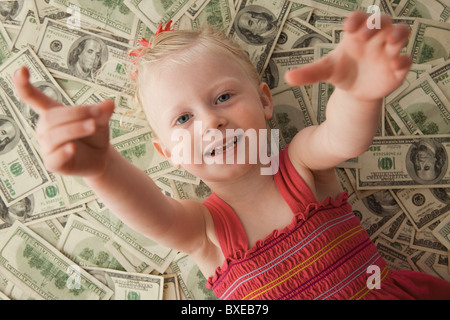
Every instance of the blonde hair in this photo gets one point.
(183, 46)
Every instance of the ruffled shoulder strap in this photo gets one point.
(291, 185)
(229, 229)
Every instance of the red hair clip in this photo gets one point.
(145, 43)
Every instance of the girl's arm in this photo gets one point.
(75, 141)
(133, 196)
(363, 68)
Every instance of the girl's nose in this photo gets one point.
(213, 120)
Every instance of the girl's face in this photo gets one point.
(190, 106)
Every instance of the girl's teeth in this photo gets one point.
(224, 147)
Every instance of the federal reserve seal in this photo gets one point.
(56, 45)
(418, 199)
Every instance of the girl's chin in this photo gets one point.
(220, 172)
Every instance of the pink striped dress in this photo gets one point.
(323, 254)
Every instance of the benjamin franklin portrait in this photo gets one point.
(426, 161)
(86, 56)
(20, 210)
(256, 25)
(9, 134)
(381, 203)
(10, 9)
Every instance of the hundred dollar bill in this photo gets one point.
(50, 230)
(297, 33)
(425, 240)
(5, 45)
(375, 211)
(423, 206)
(256, 28)
(416, 71)
(44, 9)
(152, 13)
(74, 190)
(197, 7)
(391, 230)
(321, 91)
(300, 11)
(325, 21)
(120, 125)
(182, 175)
(28, 34)
(441, 266)
(150, 252)
(187, 191)
(405, 162)
(192, 281)
(39, 77)
(351, 174)
(137, 148)
(130, 286)
(422, 106)
(292, 111)
(282, 61)
(21, 169)
(406, 232)
(385, 7)
(13, 12)
(345, 182)
(113, 16)
(337, 34)
(342, 7)
(85, 244)
(42, 271)
(77, 91)
(216, 13)
(129, 262)
(171, 288)
(429, 41)
(395, 259)
(4, 296)
(83, 56)
(436, 10)
(441, 76)
(414, 258)
(442, 231)
(43, 204)
(165, 185)
(426, 263)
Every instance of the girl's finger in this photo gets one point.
(311, 73)
(31, 95)
(59, 158)
(354, 21)
(401, 65)
(53, 138)
(397, 39)
(60, 116)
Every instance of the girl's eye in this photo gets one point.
(224, 97)
(184, 118)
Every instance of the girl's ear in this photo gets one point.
(163, 151)
(266, 100)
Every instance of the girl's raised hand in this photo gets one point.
(367, 63)
(73, 140)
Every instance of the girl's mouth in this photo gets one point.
(223, 148)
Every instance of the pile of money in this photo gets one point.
(59, 241)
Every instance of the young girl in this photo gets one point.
(291, 235)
